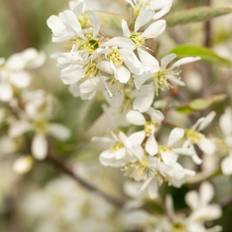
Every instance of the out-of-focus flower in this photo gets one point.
(226, 127)
(194, 136)
(14, 72)
(36, 118)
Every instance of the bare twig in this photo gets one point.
(85, 184)
(19, 24)
(208, 29)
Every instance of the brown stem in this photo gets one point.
(19, 24)
(208, 29)
(88, 186)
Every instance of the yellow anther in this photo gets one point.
(115, 56)
(137, 38)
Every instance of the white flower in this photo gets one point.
(65, 26)
(163, 75)
(195, 137)
(150, 9)
(139, 38)
(119, 62)
(14, 73)
(35, 117)
(202, 210)
(225, 123)
(150, 127)
(123, 149)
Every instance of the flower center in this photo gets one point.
(178, 227)
(194, 136)
(138, 170)
(90, 69)
(117, 146)
(40, 125)
(149, 128)
(115, 56)
(160, 81)
(137, 38)
(163, 149)
(89, 44)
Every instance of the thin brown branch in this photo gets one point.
(208, 29)
(85, 184)
(18, 23)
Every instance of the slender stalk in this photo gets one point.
(18, 24)
(208, 29)
(85, 184)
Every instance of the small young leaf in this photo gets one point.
(205, 53)
(200, 104)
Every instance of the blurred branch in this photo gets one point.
(19, 25)
(85, 184)
(208, 29)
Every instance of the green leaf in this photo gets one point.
(201, 104)
(205, 54)
(198, 14)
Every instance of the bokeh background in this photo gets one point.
(44, 200)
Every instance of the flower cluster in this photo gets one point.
(127, 72)
(27, 112)
(201, 212)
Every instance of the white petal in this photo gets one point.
(119, 42)
(153, 189)
(155, 29)
(192, 199)
(169, 158)
(151, 146)
(144, 98)
(125, 28)
(185, 60)
(207, 146)
(20, 79)
(165, 61)
(147, 59)
(105, 66)
(135, 118)
(137, 138)
(88, 88)
(144, 17)
(6, 92)
(156, 115)
(132, 62)
(205, 121)
(163, 10)
(122, 74)
(225, 122)
(71, 75)
(58, 28)
(175, 136)
(39, 147)
(206, 192)
(19, 128)
(175, 81)
(59, 131)
(226, 165)
(23, 164)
